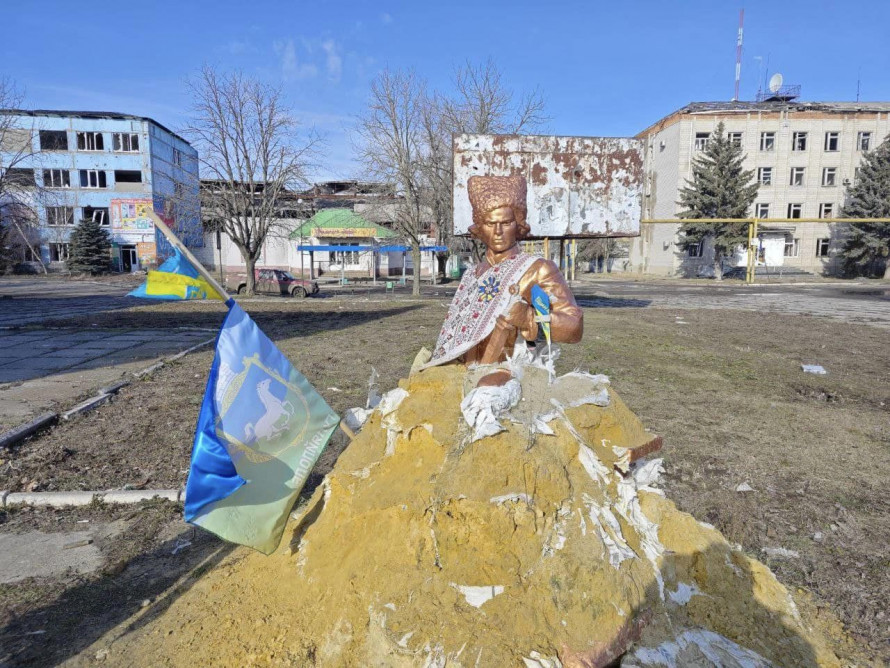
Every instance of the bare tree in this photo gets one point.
(19, 193)
(483, 104)
(252, 150)
(480, 104)
(391, 147)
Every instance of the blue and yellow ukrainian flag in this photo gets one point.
(541, 304)
(176, 278)
(261, 429)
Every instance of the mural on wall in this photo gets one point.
(146, 252)
(128, 215)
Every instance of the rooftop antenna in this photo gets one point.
(759, 60)
(858, 82)
(775, 82)
(738, 55)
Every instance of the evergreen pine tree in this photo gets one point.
(90, 249)
(720, 188)
(867, 247)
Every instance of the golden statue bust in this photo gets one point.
(492, 305)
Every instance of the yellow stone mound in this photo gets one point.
(422, 548)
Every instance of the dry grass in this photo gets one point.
(725, 390)
(727, 393)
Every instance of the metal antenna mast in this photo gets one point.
(738, 55)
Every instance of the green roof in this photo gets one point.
(338, 219)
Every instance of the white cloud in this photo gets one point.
(291, 68)
(334, 63)
(386, 18)
(236, 47)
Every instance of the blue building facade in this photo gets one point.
(113, 168)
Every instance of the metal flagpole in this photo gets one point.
(178, 245)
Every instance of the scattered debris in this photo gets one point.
(780, 553)
(180, 545)
(744, 487)
(78, 543)
(814, 368)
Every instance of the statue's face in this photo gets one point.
(499, 230)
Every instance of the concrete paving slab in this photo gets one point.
(37, 554)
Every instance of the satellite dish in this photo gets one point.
(775, 82)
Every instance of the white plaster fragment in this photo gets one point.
(355, 418)
(515, 496)
(684, 593)
(477, 596)
(536, 660)
(591, 463)
(483, 406)
(717, 649)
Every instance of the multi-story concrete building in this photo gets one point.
(803, 154)
(107, 166)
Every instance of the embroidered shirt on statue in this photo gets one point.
(478, 302)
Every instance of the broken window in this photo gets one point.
(53, 140)
(59, 216)
(701, 140)
(822, 246)
(97, 214)
(829, 176)
(735, 138)
(92, 178)
(20, 176)
(795, 210)
(826, 210)
(177, 157)
(127, 176)
(56, 178)
(863, 141)
(90, 141)
(792, 246)
(797, 176)
(765, 176)
(125, 142)
(58, 252)
(28, 255)
(761, 210)
(832, 141)
(767, 141)
(696, 250)
(799, 141)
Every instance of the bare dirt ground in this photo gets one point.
(725, 390)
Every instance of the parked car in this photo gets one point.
(274, 282)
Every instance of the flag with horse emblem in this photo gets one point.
(261, 429)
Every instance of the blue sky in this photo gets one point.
(606, 69)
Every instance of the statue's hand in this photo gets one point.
(522, 316)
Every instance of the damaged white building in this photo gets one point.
(803, 154)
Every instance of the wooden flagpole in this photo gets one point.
(181, 247)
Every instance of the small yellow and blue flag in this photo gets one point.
(175, 279)
(261, 428)
(541, 304)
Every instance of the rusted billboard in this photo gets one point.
(577, 186)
